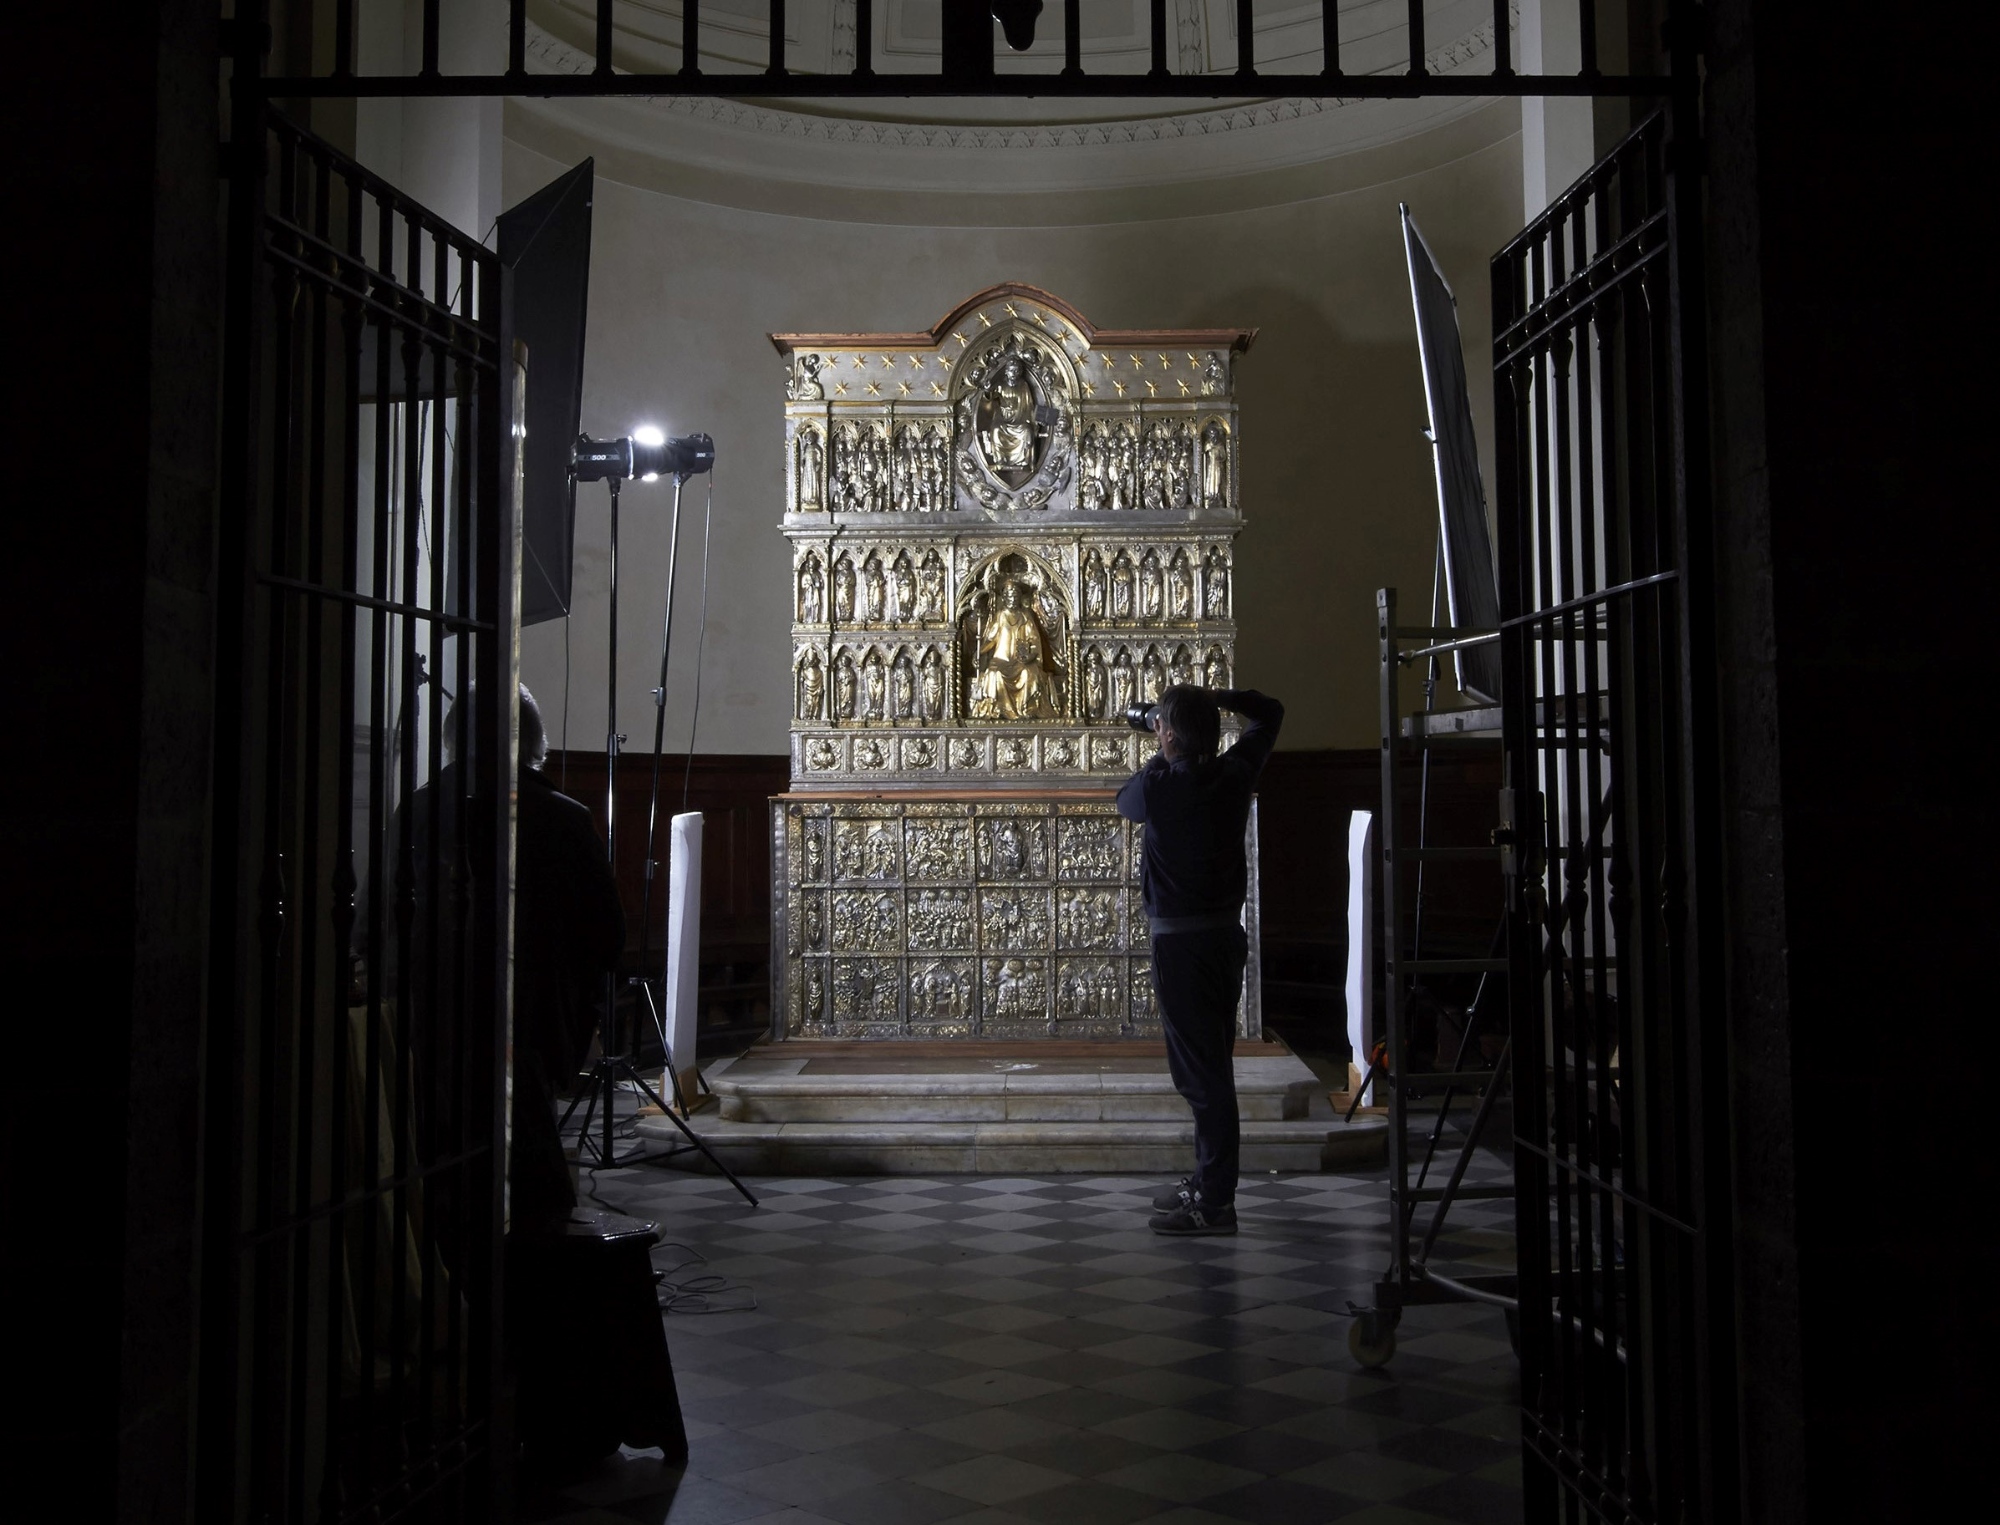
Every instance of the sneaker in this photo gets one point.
(1174, 1195)
(1195, 1216)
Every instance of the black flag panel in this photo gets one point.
(545, 243)
(1471, 582)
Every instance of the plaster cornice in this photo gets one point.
(843, 151)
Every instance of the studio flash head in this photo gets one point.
(1140, 717)
(645, 454)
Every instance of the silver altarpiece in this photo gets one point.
(1004, 531)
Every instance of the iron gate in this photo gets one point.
(354, 1127)
(1621, 1143)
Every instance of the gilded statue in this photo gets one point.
(1216, 673)
(903, 590)
(1153, 681)
(1149, 585)
(1013, 678)
(1095, 688)
(1007, 419)
(902, 686)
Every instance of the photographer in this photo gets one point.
(1195, 806)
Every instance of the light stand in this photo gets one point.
(613, 462)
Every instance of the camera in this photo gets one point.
(1140, 717)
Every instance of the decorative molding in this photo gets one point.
(549, 54)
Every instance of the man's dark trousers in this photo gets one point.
(1198, 977)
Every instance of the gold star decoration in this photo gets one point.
(1063, 331)
(1121, 387)
(1089, 390)
(1135, 361)
(874, 390)
(1152, 389)
(861, 362)
(936, 390)
(840, 389)
(960, 338)
(917, 362)
(1012, 310)
(1182, 385)
(1164, 362)
(904, 387)
(988, 322)
(1194, 363)
(1040, 317)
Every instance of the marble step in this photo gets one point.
(1012, 1148)
(1267, 1090)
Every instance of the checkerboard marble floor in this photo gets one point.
(994, 1351)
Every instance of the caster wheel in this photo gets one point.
(1371, 1341)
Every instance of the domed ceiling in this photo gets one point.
(1013, 145)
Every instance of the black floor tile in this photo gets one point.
(883, 1277)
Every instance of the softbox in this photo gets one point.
(545, 245)
(1470, 578)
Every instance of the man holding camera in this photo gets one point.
(1195, 805)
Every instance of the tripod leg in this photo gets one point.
(696, 1139)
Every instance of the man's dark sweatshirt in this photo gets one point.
(1195, 815)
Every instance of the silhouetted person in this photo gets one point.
(1196, 806)
(568, 932)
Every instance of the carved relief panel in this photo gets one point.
(1014, 918)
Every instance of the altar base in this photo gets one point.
(829, 1109)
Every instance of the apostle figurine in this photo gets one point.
(1216, 576)
(903, 584)
(931, 686)
(1214, 465)
(1149, 585)
(812, 469)
(1013, 679)
(812, 686)
(1216, 674)
(843, 589)
(843, 687)
(873, 587)
(1180, 586)
(812, 592)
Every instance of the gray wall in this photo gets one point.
(1336, 475)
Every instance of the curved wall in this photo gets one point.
(692, 268)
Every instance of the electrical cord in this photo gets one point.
(697, 1294)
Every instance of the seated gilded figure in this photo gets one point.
(1014, 676)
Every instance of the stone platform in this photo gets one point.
(908, 1109)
